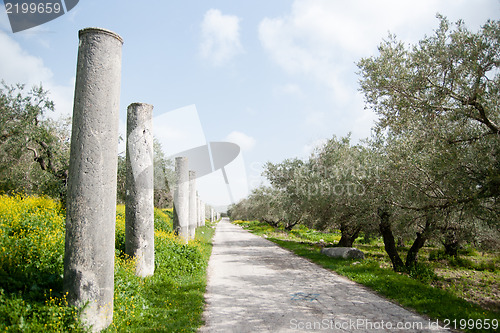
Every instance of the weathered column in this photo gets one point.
(139, 205)
(193, 204)
(181, 199)
(91, 200)
(203, 214)
(198, 209)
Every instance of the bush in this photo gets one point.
(422, 273)
(467, 251)
(437, 255)
(31, 267)
(487, 266)
(173, 257)
(461, 262)
(161, 222)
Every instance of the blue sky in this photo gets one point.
(277, 77)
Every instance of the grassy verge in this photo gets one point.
(172, 300)
(373, 272)
(31, 268)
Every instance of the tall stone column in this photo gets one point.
(200, 203)
(203, 214)
(193, 204)
(211, 214)
(181, 199)
(139, 201)
(91, 199)
(198, 209)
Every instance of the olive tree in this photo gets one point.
(288, 202)
(34, 150)
(339, 188)
(439, 119)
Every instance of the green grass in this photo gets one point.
(374, 273)
(31, 268)
(172, 300)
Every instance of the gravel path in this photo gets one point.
(256, 286)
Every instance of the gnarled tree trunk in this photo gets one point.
(451, 243)
(389, 242)
(411, 257)
(348, 234)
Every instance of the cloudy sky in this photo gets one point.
(276, 77)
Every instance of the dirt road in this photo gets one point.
(256, 286)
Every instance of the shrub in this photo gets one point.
(174, 257)
(437, 255)
(461, 262)
(161, 222)
(422, 273)
(467, 251)
(487, 266)
(31, 267)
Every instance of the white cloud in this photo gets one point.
(18, 66)
(220, 37)
(322, 39)
(4, 21)
(244, 141)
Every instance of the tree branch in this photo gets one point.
(482, 112)
(445, 205)
(38, 158)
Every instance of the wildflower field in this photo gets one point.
(31, 272)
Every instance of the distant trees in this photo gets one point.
(430, 171)
(34, 150)
(341, 179)
(163, 176)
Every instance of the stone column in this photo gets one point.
(193, 204)
(200, 210)
(203, 214)
(181, 199)
(91, 199)
(139, 202)
(211, 214)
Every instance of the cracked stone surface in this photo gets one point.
(256, 286)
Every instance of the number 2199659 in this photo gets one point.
(33, 8)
